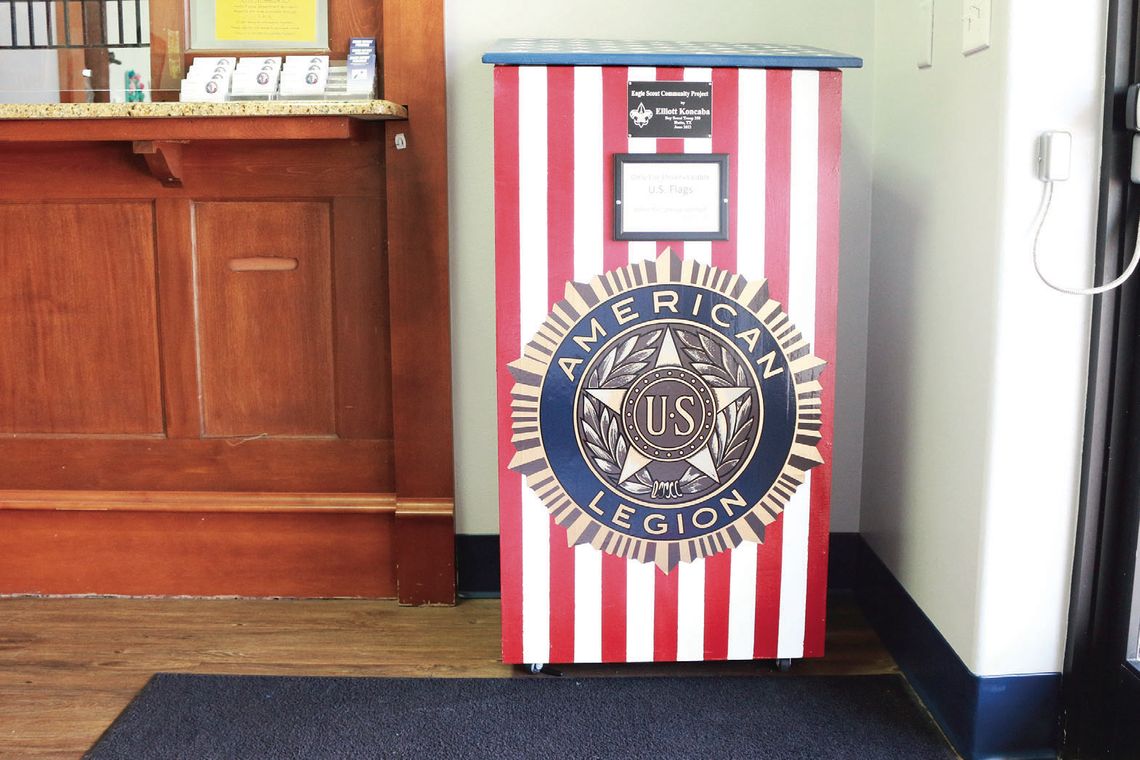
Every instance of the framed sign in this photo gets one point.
(259, 24)
(671, 196)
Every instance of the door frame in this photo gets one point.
(1109, 509)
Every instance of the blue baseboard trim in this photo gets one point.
(984, 717)
(477, 564)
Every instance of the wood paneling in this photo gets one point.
(185, 128)
(363, 346)
(252, 170)
(200, 553)
(418, 266)
(176, 288)
(265, 336)
(418, 251)
(222, 464)
(78, 344)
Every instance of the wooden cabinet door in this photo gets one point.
(181, 344)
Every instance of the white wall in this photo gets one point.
(975, 369)
(471, 29)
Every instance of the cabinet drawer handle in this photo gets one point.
(263, 264)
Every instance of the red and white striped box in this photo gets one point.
(557, 129)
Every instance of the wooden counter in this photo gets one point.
(225, 337)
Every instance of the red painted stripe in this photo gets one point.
(718, 568)
(560, 269)
(507, 349)
(665, 597)
(726, 121)
(718, 574)
(768, 575)
(615, 254)
(615, 139)
(827, 285)
(613, 608)
(776, 265)
(778, 182)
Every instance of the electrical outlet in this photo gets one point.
(975, 26)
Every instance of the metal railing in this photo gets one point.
(58, 24)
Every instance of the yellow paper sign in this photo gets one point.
(266, 20)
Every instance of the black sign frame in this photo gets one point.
(720, 160)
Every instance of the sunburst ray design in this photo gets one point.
(580, 299)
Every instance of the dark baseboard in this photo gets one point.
(477, 565)
(984, 717)
(477, 562)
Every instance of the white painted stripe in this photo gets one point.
(700, 250)
(803, 200)
(698, 144)
(639, 601)
(742, 602)
(639, 250)
(588, 219)
(588, 172)
(587, 604)
(751, 162)
(533, 308)
(691, 575)
(691, 609)
(639, 583)
(803, 203)
(751, 172)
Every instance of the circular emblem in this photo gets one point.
(666, 411)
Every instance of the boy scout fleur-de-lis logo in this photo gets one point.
(640, 115)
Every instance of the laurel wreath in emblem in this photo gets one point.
(660, 435)
(606, 439)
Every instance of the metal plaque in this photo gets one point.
(670, 109)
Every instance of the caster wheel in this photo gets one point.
(538, 668)
(784, 664)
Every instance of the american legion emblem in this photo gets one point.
(666, 411)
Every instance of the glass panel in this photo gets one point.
(124, 51)
(1133, 655)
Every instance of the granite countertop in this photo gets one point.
(360, 109)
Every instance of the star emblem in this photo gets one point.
(668, 381)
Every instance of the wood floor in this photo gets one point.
(69, 666)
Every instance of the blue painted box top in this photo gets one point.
(583, 52)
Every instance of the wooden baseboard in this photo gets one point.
(197, 544)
